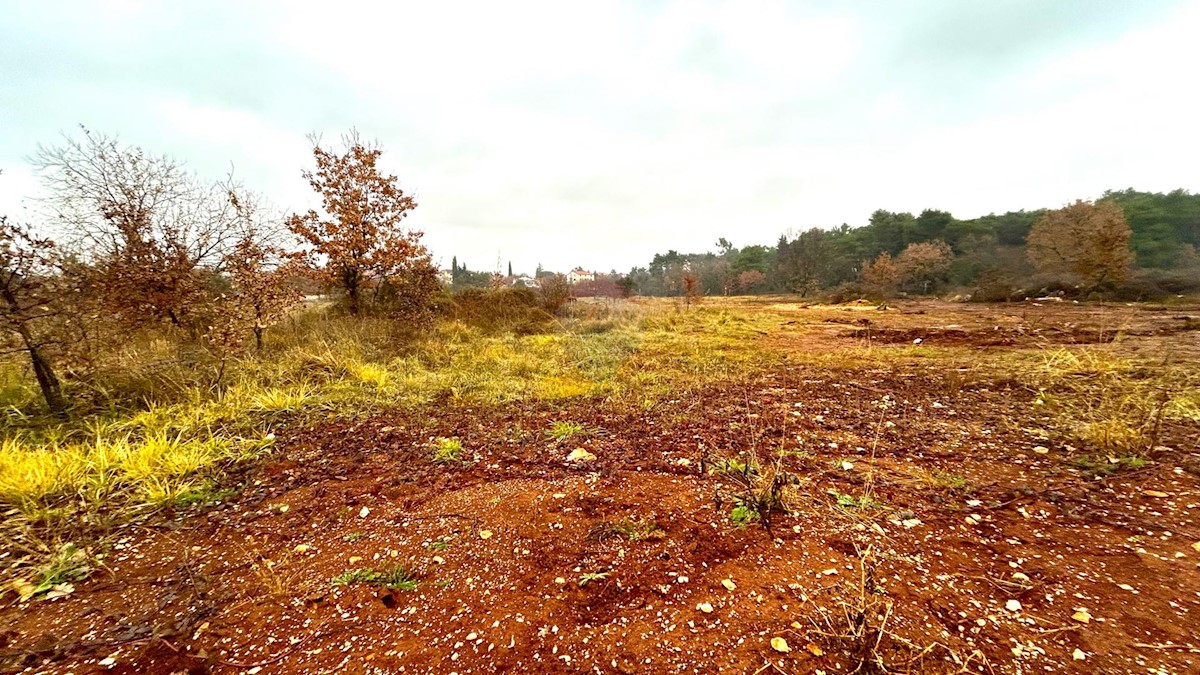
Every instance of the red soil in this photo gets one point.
(245, 587)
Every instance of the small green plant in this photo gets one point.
(358, 575)
(447, 450)
(759, 490)
(732, 465)
(353, 536)
(639, 530)
(439, 545)
(563, 429)
(743, 514)
(1106, 466)
(589, 577)
(395, 578)
(70, 563)
(942, 481)
(206, 493)
(846, 501)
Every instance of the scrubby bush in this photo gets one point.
(1158, 284)
(519, 310)
(994, 286)
(555, 292)
(851, 291)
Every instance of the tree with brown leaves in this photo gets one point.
(882, 274)
(921, 266)
(152, 234)
(751, 280)
(30, 314)
(262, 292)
(1087, 241)
(691, 288)
(358, 242)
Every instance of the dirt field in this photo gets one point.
(940, 518)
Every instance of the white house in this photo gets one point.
(523, 280)
(446, 277)
(579, 274)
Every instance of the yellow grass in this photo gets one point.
(147, 469)
(168, 429)
(160, 451)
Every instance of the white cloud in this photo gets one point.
(600, 133)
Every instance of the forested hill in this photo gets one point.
(936, 252)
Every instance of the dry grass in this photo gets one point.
(153, 429)
(1109, 403)
(163, 429)
(861, 626)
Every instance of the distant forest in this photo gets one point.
(1152, 253)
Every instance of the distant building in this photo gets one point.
(446, 277)
(523, 280)
(579, 274)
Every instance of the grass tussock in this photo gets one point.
(1110, 404)
(155, 469)
(561, 430)
(394, 578)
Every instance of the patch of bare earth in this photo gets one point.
(974, 552)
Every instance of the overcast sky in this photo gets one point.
(599, 133)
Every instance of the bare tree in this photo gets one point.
(691, 288)
(150, 230)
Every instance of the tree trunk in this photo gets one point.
(42, 370)
(350, 283)
(47, 380)
(258, 339)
